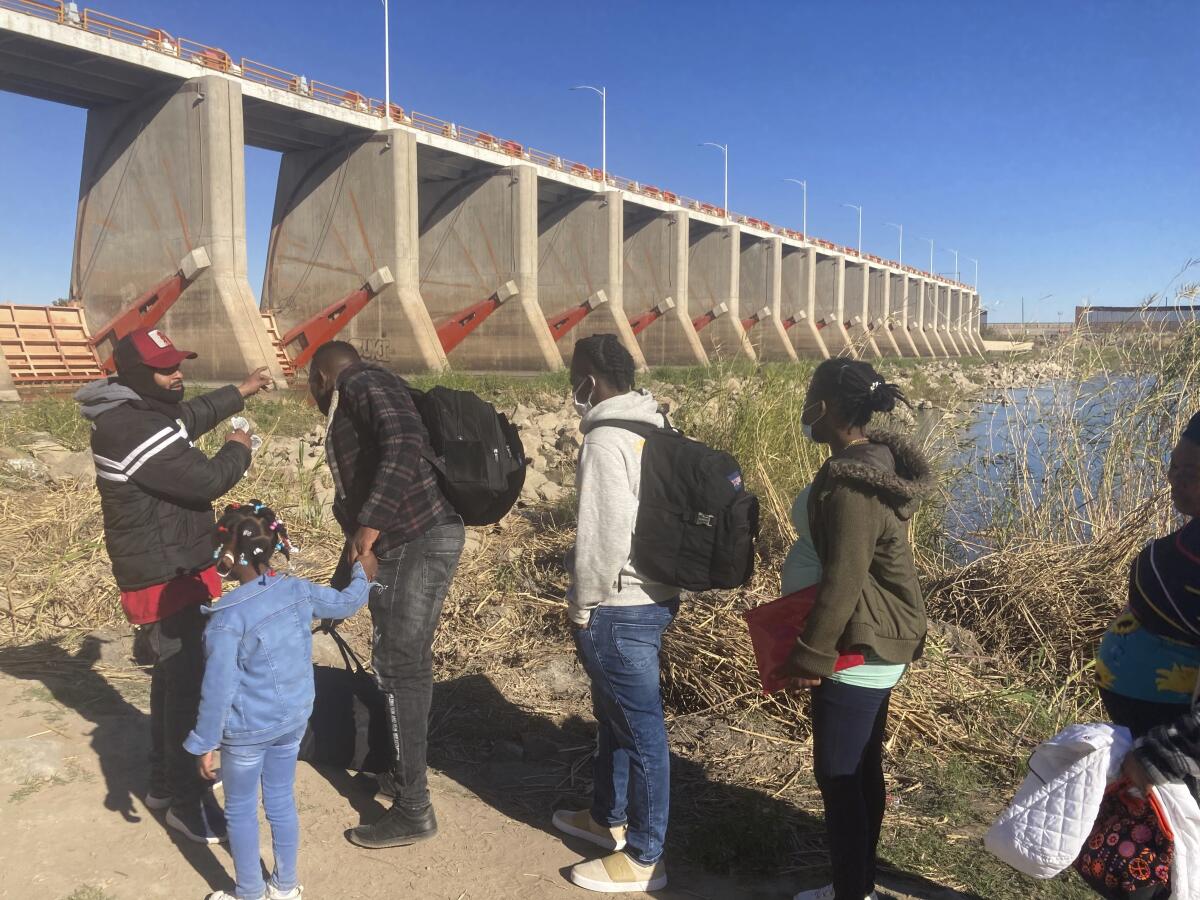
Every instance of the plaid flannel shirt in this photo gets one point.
(1171, 753)
(376, 446)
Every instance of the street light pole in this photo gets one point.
(724, 148)
(930, 255)
(899, 228)
(603, 92)
(803, 184)
(387, 68)
(859, 208)
(972, 259)
(955, 252)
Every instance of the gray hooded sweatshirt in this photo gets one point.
(607, 482)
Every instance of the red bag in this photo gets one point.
(774, 628)
(1131, 847)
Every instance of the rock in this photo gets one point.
(506, 751)
(538, 462)
(537, 748)
(957, 640)
(531, 443)
(22, 464)
(569, 441)
(548, 422)
(562, 676)
(30, 759)
(521, 416)
(551, 492)
(65, 466)
(533, 480)
(111, 649)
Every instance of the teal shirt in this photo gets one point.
(801, 569)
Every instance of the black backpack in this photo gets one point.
(348, 727)
(696, 522)
(477, 453)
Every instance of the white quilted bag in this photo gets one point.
(1042, 831)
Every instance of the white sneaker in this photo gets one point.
(580, 824)
(619, 874)
(221, 895)
(826, 893)
(274, 893)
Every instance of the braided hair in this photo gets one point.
(609, 359)
(856, 389)
(250, 534)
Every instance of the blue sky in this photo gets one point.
(1057, 142)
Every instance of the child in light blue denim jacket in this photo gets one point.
(258, 690)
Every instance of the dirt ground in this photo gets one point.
(73, 737)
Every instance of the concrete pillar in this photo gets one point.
(799, 291)
(901, 314)
(760, 284)
(478, 229)
(8, 389)
(958, 312)
(857, 296)
(879, 302)
(831, 305)
(714, 258)
(945, 326)
(930, 325)
(341, 213)
(655, 267)
(164, 175)
(580, 250)
(976, 331)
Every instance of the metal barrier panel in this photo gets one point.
(47, 345)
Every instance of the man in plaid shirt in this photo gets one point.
(388, 501)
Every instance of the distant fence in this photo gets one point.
(1142, 318)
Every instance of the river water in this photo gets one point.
(1047, 455)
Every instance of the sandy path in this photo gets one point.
(72, 825)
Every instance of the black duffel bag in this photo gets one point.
(348, 727)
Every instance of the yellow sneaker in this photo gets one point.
(580, 824)
(618, 874)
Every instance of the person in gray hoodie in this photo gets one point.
(618, 618)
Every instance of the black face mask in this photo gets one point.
(140, 379)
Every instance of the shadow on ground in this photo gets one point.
(120, 733)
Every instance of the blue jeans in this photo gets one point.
(848, 725)
(242, 769)
(631, 773)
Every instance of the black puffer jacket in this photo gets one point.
(156, 489)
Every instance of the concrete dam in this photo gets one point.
(475, 252)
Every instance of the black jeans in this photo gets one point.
(414, 579)
(848, 725)
(1139, 716)
(176, 647)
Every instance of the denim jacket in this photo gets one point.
(258, 676)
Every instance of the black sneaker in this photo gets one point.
(202, 822)
(398, 827)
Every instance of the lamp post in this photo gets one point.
(387, 68)
(955, 252)
(724, 148)
(603, 92)
(899, 228)
(930, 255)
(972, 259)
(804, 185)
(859, 208)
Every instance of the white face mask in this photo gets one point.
(808, 429)
(583, 407)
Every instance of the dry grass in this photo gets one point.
(1047, 574)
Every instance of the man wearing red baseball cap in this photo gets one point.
(156, 493)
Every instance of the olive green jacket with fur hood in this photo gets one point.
(859, 509)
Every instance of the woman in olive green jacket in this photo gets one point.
(869, 602)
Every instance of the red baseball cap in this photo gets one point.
(150, 347)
